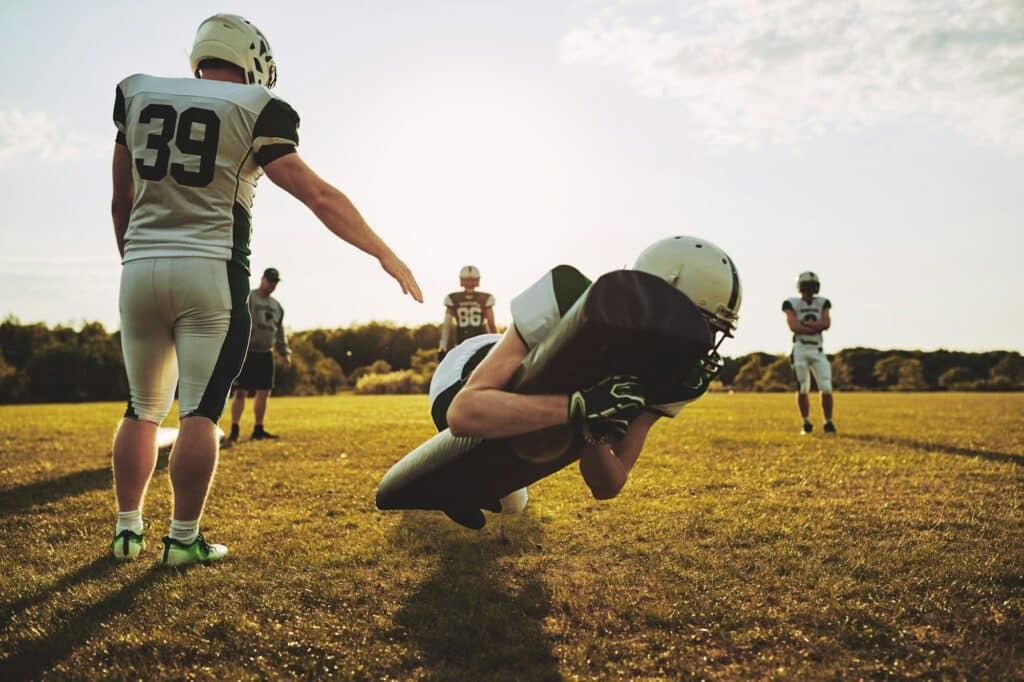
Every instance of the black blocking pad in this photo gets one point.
(627, 322)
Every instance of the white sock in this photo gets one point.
(184, 532)
(129, 520)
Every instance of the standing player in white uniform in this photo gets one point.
(467, 313)
(186, 160)
(467, 392)
(808, 315)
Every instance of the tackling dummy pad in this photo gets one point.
(627, 322)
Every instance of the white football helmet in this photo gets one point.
(810, 280)
(707, 276)
(469, 276)
(235, 40)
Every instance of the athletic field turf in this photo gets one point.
(738, 550)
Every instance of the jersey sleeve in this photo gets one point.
(276, 132)
(826, 304)
(787, 305)
(489, 303)
(449, 302)
(120, 115)
(539, 309)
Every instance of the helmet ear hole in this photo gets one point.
(235, 40)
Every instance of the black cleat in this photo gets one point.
(829, 427)
(231, 438)
(260, 434)
(806, 428)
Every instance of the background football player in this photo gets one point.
(808, 315)
(187, 156)
(467, 392)
(468, 312)
(257, 375)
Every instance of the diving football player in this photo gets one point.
(468, 396)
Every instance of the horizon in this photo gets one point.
(881, 148)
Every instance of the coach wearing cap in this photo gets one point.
(257, 375)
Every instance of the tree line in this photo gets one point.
(39, 363)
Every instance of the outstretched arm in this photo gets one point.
(606, 468)
(339, 215)
(123, 193)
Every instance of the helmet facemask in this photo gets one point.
(810, 287)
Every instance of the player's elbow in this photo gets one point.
(462, 417)
(605, 490)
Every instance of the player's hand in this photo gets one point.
(394, 266)
(286, 363)
(602, 412)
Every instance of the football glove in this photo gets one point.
(601, 414)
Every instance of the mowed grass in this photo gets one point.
(738, 550)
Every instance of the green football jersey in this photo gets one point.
(469, 307)
(197, 149)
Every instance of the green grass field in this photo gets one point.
(738, 550)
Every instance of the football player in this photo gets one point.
(468, 313)
(808, 315)
(467, 392)
(186, 160)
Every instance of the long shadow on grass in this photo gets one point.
(22, 497)
(476, 617)
(939, 447)
(94, 570)
(31, 658)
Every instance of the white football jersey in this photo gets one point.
(807, 311)
(197, 148)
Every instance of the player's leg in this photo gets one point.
(823, 375)
(148, 350)
(259, 408)
(237, 408)
(211, 336)
(803, 379)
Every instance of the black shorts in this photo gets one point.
(258, 372)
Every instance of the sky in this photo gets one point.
(877, 143)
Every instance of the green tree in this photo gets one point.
(777, 376)
(957, 378)
(901, 373)
(1010, 369)
(311, 373)
(749, 374)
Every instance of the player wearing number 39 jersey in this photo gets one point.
(187, 157)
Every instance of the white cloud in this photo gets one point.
(753, 71)
(36, 136)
